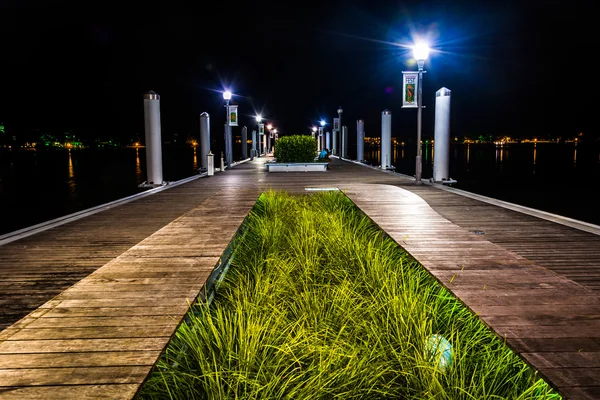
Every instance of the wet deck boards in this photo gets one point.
(533, 281)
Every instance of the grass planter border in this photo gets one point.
(297, 167)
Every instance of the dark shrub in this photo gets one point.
(295, 148)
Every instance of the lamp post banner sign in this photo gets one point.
(336, 124)
(410, 82)
(261, 129)
(233, 115)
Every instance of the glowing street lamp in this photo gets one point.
(420, 53)
(228, 138)
(256, 140)
(321, 137)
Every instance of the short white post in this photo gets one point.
(204, 140)
(222, 163)
(441, 146)
(386, 139)
(153, 139)
(210, 161)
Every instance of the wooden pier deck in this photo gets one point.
(90, 305)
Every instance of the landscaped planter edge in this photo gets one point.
(297, 167)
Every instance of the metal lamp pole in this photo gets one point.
(228, 139)
(420, 52)
(339, 132)
(256, 146)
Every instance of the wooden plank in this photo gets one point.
(72, 360)
(73, 376)
(112, 391)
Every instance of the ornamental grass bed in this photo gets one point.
(319, 303)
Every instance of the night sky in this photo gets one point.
(519, 68)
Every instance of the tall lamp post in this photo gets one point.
(268, 143)
(339, 131)
(228, 139)
(256, 146)
(420, 53)
(322, 136)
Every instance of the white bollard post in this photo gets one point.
(244, 143)
(441, 149)
(210, 163)
(386, 139)
(360, 140)
(222, 163)
(328, 141)
(153, 139)
(204, 140)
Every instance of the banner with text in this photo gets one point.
(336, 124)
(233, 115)
(261, 129)
(410, 83)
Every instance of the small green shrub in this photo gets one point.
(295, 148)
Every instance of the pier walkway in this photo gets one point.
(88, 306)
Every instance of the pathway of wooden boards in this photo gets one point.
(130, 328)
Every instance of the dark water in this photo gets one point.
(557, 178)
(36, 186)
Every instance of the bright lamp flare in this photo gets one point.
(322, 123)
(258, 118)
(314, 128)
(227, 95)
(420, 51)
(269, 127)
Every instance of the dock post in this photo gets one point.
(153, 140)
(360, 140)
(254, 142)
(328, 141)
(204, 140)
(386, 139)
(441, 135)
(244, 143)
(222, 163)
